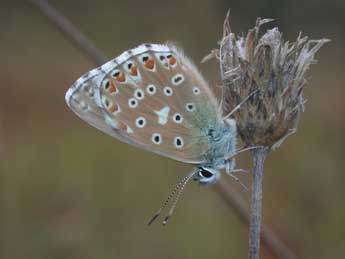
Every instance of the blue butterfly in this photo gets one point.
(154, 97)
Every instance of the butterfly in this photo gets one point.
(153, 97)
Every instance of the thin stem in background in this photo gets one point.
(272, 242)
(79, 40)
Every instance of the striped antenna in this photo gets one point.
(179, 186)
(171, 211)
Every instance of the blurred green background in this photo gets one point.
(69, 191)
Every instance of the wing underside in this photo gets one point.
(151, 97)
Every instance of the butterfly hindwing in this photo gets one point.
(152, 97)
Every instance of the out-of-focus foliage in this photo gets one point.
(69, 191)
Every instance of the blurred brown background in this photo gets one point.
(69, 191)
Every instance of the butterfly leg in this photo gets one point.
(230, 170)
(230, 167)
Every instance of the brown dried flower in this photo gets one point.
(262, 89)
(270, 71)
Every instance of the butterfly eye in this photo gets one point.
(177, 79)
(139, 94)
(177, 118)
(151, 89)
(156, 138)
(178, 142)
(205, 173)
(207, 176)
(190, 107)
(168, 91)
(196, 90)
(132, 103)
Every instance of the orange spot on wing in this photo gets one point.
(121, 78)
(172, 61)
(113, 108)
(122, 126)
(149, 63)
(134, 71)
(112, 88)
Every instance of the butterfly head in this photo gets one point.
(206, 175)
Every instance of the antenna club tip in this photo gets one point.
(153, 219)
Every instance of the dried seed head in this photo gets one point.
(275, 70)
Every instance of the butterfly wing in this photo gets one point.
(152, 97)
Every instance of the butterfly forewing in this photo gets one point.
(152, 97)
(84, 99)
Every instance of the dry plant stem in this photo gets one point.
(72, 32)
(259, 156)
(270, 240)
(234, 201)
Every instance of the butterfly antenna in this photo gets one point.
(177, 197)
(240, 104)
(171, 195)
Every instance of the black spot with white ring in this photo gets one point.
(140, 122)
(156, 138)
(132, 103)
(144, 58)
(106, 84)
(139, 94)
(168, 91)
(177, 79)
(177, 118)
(106, 101)
(116, 73)
(178, 142)
(196, 90)
(151, 89)
(190, 107)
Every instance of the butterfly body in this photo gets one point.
(153, 97)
